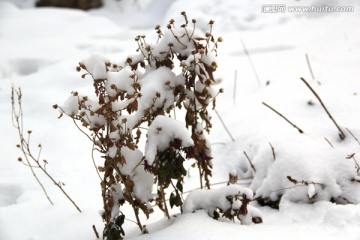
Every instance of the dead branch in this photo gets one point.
(222, 122)
(310, 68)
(329, 142)
(96, 232)
(341, 133)
(273, 151)
(251, 164)
(292, 124)
(24, 146)
(251, 62)
(356, 139)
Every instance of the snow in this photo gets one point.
(71, 106)
(143, 181)
(96, 65)
(213, 199)
(121, 80)
(116, 195)
(40, 49)
(162, 131)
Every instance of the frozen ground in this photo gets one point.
(39, 52)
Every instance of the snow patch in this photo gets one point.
(161, 132)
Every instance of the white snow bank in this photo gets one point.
(310, 160)
(231, 197)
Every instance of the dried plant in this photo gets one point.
(138, 99)
(33, 161)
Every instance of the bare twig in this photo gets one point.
(25, 146)
(17, 118)
(303, 182)
(220, 183)
(352, 156)
(273, 151)
(251, 164)
(329, 142)
(96, 232)
(226, 129)
(310, 68)
(341, 133)
(271, 108)
(93, 160)
(299, 183)
(37, 179)
(251, 62)
(356, 139)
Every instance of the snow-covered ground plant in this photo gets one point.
(138, 97)
(230, 201)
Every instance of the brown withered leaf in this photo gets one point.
(131, 145)
(201, 145)
(294, 181)
(121, 159)
(228, 214)
(245, 202)
(176, 143)
(129, 184)
(132, 107)
(214, 103)
(127, 197)
(101, 169)
(138, 135)
(113, 128)
(200, 98)
(210, 70)
(82, 66)
(118, 177)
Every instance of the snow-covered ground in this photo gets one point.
(40, 48)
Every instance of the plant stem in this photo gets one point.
(356, 139)
(95, 231)
(251, 164)
(93, 160)
(341, 133)
(164, 201)
(251, 62)
(200, 176)
(25, 148)
(329, 142)
(310, 68)
(222, 122)
(273, 151)
(292, 124)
